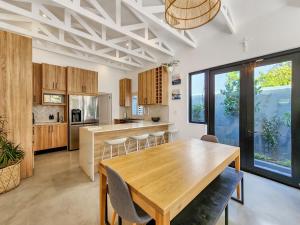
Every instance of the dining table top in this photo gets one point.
(167, 177)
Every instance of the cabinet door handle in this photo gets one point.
(52, 84)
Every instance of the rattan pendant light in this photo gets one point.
(189, 14)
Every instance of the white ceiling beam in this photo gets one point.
(77, 56)
(15, 18)
(57, 41)
(228, 18)
(155, 9)
(66, 26)
(114, 26)
(139, 8)
(100, 9)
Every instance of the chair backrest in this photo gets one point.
(120, 197)
(210, 138)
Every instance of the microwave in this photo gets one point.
(53, 99)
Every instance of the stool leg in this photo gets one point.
(118, 149)
(103, 151)
(137, 145)
(171, 137)
(163, 139)
(111, 147)
(148, 143)
(155, 141)
(125, 149)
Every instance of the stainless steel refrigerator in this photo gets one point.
(83, 111)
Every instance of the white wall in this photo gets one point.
(271, 33)
(108, 77)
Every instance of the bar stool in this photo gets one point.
(172, 133)
(112, 142)
(159, 134)
(139, 138)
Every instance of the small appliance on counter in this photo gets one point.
(155, 119)
(83, 111)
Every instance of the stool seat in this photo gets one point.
(116, 141)
(140, 137)
(113, 142)
(157, 134)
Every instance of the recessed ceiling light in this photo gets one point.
(44, 15)
(127, 44)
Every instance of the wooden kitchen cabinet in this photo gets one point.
(82, 81)
(125, 96)
(47, 136)
(54, 78)
(153, 87)
(37, 83)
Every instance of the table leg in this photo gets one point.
(237, 163)
(102, 198)
(162, 219)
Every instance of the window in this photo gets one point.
(197, 97)
(137, 110)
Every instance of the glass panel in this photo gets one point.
(137, 110)
(272, 117)
(197, 98)
(54, 98)
(227, 107)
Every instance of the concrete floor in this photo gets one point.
(60, 194)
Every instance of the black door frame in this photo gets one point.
(246, 119)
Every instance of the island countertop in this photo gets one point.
(92, 147)
(124, 126)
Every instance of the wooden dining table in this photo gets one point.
(163, 180)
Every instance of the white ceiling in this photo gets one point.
(126, 34)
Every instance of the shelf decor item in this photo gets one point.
(184, 15)
(11, 156)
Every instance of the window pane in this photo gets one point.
(272, 117)
(137, 110)
(197, 98)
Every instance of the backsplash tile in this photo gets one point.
(41, 113)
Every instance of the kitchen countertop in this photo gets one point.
(124, 126)
(47, 123)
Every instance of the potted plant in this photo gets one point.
(11, 156)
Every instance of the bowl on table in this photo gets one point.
(155, 119)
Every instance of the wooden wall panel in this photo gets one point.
(16, 92)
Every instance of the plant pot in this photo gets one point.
(9, 177)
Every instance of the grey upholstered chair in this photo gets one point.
(121, 200)
(210, 138)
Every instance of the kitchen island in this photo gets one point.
(91, 141)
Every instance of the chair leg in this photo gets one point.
(113, 219)
(119, 220)
(226, 215)
(103, 152)
(241, 201)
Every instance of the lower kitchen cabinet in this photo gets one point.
(46, 136)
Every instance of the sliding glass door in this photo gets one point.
(272, 108)
(256, 105)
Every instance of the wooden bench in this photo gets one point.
(208, 206)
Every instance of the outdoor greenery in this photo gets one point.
(287, 121)
(10, 153)
(270, 133)
(260, 156)
(279, 75)
(196, 111)
(232, 94)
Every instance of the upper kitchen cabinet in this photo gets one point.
(54, 78)
(125, 92)
(153, 87)
(82, 81)
(37, 83)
